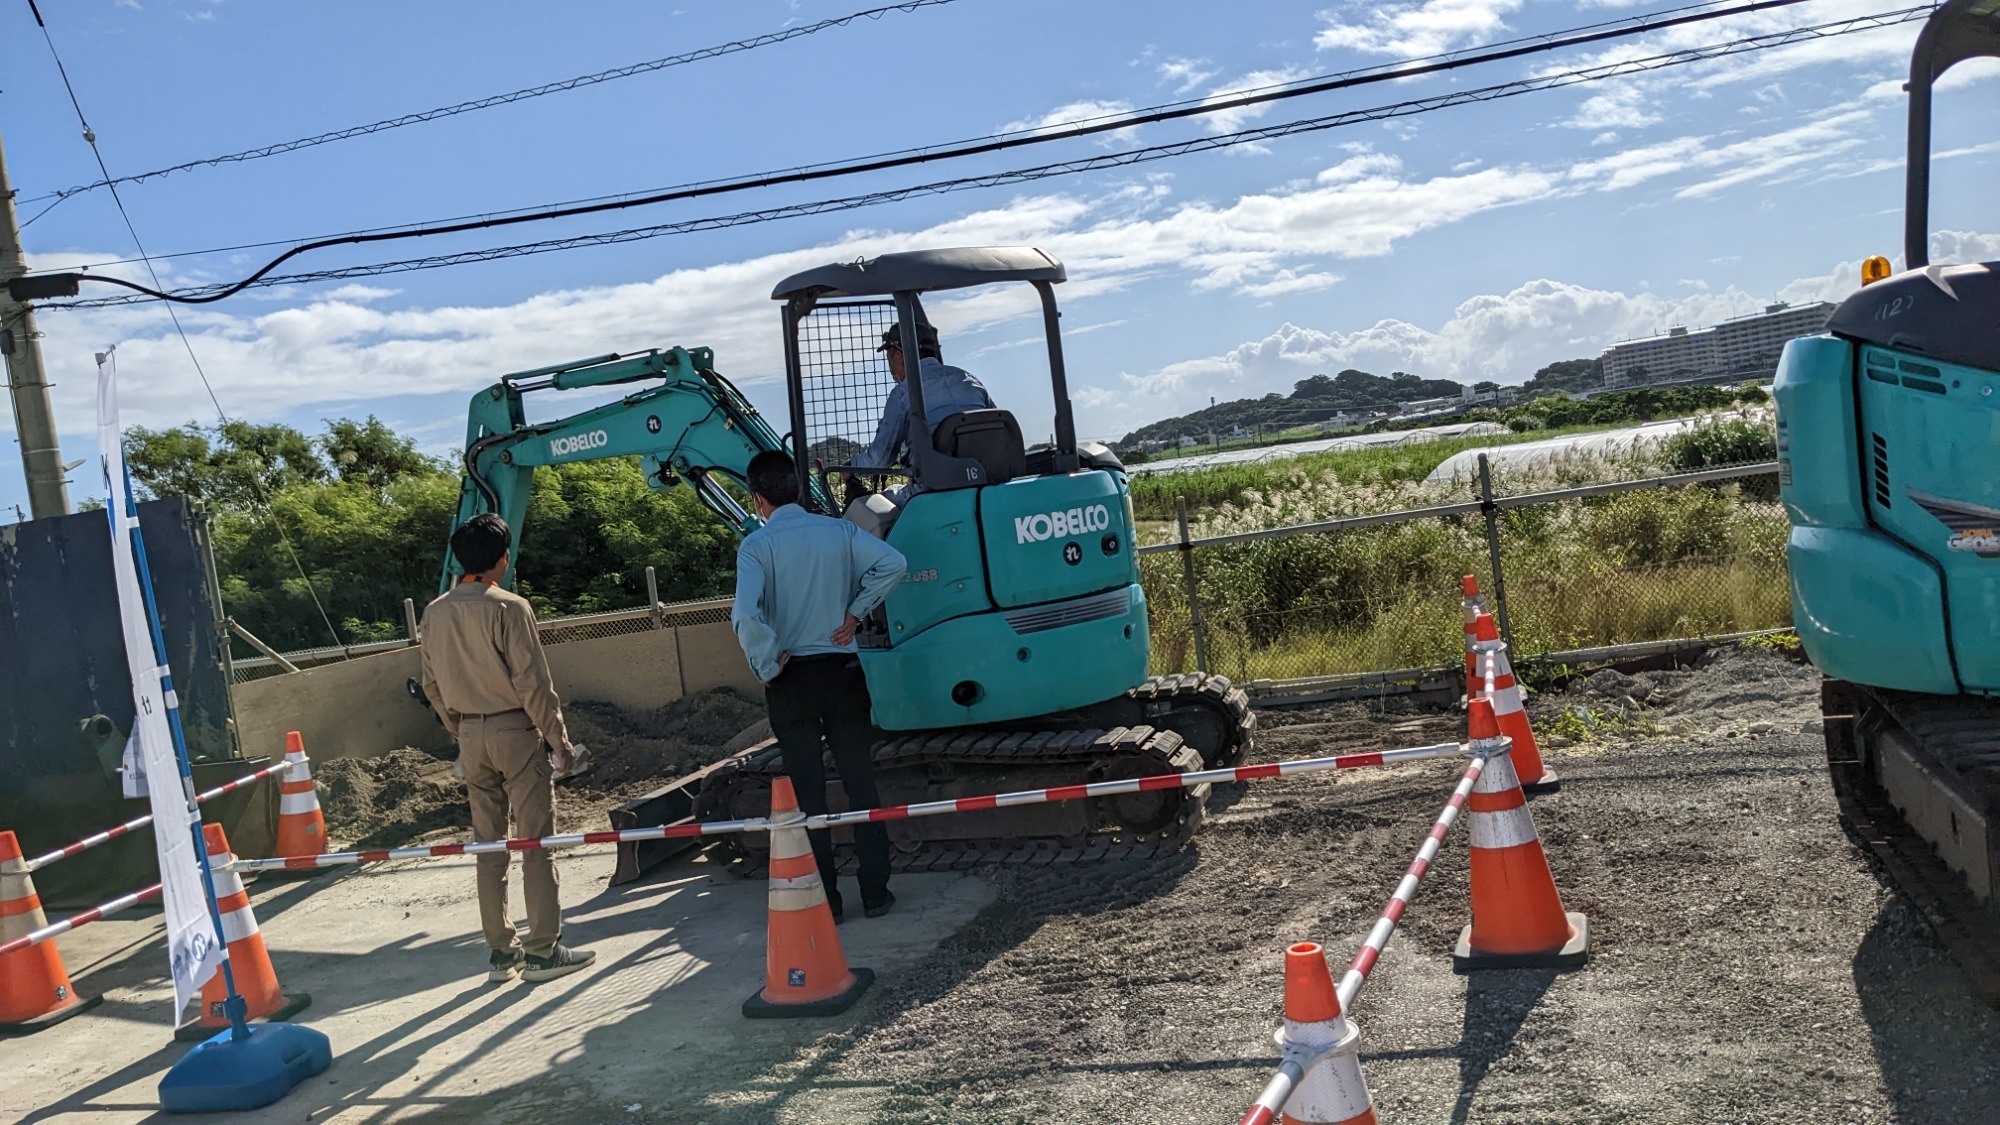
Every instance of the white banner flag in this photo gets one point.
(194, 948)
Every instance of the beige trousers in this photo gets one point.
(507, 773)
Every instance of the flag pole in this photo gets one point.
(233, 1006)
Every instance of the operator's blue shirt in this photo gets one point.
(948, 390)
(797, 577)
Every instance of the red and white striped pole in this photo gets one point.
(1392, 913)
(55, 929)
(1139, 785)
(1270, 1103)
(130, 826)
(862, 816)
(484, 847)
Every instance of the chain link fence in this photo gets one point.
(1582, 565)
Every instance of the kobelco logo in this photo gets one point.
(1043, 526)
(577, 443)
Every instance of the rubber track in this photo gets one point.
(1153, 701)
(1215, 693)
(1952, 731)
(1029, 749)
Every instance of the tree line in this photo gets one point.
(354, 519)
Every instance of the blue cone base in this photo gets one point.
(225, 1073)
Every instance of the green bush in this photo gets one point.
(1721, 441)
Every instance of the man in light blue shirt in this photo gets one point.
(803, 584)
(948, 390)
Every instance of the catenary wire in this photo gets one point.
(1119, 120)
(217, 293)
(546, 88)
(90, 138)
(1026, 175)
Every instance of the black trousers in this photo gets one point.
(823, 701)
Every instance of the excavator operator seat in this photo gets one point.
(991, 437)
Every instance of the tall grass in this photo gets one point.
(1630, 566)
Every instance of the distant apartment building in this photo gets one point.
(1746, 347)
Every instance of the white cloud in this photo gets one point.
(1289, 281)
(1185, 74)
(1414, 30)
(1231, 120)
(1772, 156)
(1623, 106)
(1077, 113)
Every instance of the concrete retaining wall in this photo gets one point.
(360, 708)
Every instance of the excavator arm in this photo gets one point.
(690, 426)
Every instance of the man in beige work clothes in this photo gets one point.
(485, 673)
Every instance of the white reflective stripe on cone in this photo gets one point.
(1507, 828)
(1332, 1089)
(301, 769)
(238, 924)
(14, 887)
(227, 882)
(1498, 776)
(1506, 700)
(797, 894)
(292, 804)
(790, 842)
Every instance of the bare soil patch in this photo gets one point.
(409, 795)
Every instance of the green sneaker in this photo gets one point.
(561, 962)
(502, 964)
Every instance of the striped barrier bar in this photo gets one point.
(1385, 926)
(1140, 785)
(53, 929)
(130, 826)
(859, 816)
(1270, 1103)
(522, 844)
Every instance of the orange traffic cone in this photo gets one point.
(805, 972)
(1518, 921)
(1475, 604)
(301, 828)
(249, 961)
(1506, 696)
(1332, 1092)
(34, 987)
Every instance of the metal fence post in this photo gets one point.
(1492, 511)
(653, 598)
(1195, 625)
(410, 620)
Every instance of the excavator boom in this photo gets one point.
(690, 426)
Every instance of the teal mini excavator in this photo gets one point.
(1014, 655)
(1889, 467)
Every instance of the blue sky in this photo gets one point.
(1472, 243)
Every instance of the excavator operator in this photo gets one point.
(948, 390)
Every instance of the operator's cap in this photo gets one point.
(927, 336)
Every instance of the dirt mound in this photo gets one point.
(653, 746)
(406, 795)
(389, 800)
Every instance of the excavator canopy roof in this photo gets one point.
(922, 270)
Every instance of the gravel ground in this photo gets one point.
(1748, 964)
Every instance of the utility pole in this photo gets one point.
(27, 381)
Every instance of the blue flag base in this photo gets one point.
(226, 1073)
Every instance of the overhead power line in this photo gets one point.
(1540, 45)
(419, 118)
(90, 138)
(1124, 119)
(1392, 110)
